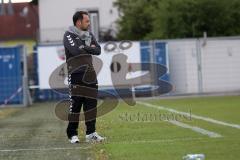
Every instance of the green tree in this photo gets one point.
(136, 21)
(153, 19)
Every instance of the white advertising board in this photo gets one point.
(51, 57)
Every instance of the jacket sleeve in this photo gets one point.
(93, 50)
(71, 45)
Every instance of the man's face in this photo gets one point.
(85, 23)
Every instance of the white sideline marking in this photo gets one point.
(157, 140)
(183, 125)
(42, 149)
(197, 129)
(237, 126)
(110, 142)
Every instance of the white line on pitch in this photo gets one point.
(196, 129)
(42, 149)
(159, 140)
(192, 115)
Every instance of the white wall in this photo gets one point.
(56, 15)
(219, 65)
(183, 66)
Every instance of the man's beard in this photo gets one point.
(84, 29)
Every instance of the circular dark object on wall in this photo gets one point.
(115, 67)
(124, 45)
(110, 46)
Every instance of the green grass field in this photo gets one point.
(133, 132)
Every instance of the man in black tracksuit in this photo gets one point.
(80, 45)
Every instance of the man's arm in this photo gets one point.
(95, 48)
(71, 45)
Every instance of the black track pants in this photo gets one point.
(82, 96)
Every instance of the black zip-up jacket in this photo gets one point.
(75, 46)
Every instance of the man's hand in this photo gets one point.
(93, 45)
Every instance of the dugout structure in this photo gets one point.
(13, 76)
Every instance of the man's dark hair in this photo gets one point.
(78, 16)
